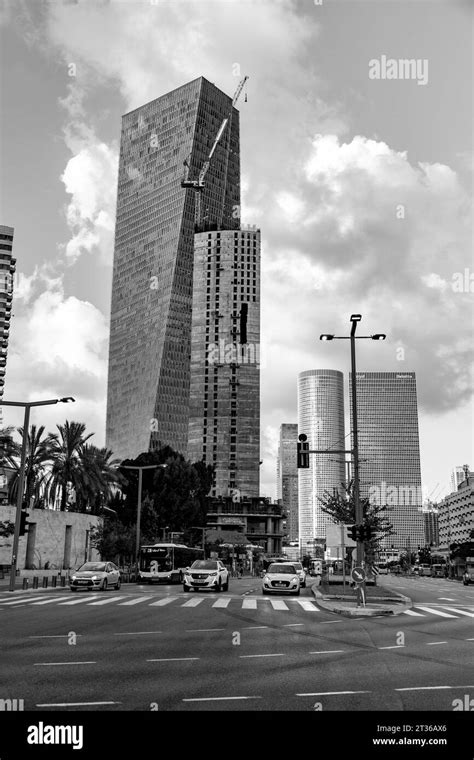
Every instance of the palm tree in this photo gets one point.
(38, 455)
(65, 456)
(96, 477)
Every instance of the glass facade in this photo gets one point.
(7, 272)
(321, 417)
(150, 326)
(287, 476)
(224, 419)
(389, 452)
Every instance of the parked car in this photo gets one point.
(95, 575)
(206, 574)
(281, 577)
(299, 570)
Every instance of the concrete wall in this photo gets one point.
(60, 538)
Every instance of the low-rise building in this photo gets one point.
(257, 518)
(456, 515)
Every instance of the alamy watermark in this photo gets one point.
(403, 68)
(225, 352)
(384, 495)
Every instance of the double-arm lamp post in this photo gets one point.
(140, 469)
(21, 479)
(359, 517)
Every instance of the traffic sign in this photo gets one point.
(358, 574)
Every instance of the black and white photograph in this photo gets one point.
(236, 378)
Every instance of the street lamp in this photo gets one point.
(355, 318)
(140, 469)
(21, 479)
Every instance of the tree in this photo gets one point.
(95, 478)
(114, 540)
(38, 456)
(65, 470)
(341, 508)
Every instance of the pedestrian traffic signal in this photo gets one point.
(302, 455)
(352, 532)
(23, 515)
(365, 533)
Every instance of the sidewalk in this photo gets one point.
(383, 602)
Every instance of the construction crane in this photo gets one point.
(198, 184)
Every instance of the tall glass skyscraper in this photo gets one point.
(287, 476)
(7, 271)
(321, 417)
(224, 419)
(389, 452)
(150, 325)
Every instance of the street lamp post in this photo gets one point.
(359, 516)
(21, 478)
(140, 469)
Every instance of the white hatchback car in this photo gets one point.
(281, 577)
(95, 575)
(206, 573)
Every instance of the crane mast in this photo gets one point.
(198, 184)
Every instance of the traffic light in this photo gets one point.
(365, 533)
(352, 532)
(302, 451)
(23, 515)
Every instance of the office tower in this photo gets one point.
(150, 326)
(287, 477)
(430, 521)
(7, 271)
(224, 418)
(458, 476)
(389, 452)
(321, 418)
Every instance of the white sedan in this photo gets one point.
(281, 578)
(206, 573)
(95, 575)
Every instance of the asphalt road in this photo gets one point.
(155, 648)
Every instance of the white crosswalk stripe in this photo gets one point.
(193, 602)
(162, 602)
(458, 611)
(133, 601)
(415, 614)
(278, 604)
(222, 602)
(249, 604)
(84, 600)
(50, 601)
(107, 601)
(307, 605)
(433, 611)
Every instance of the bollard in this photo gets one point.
(63, 580)
(54, 581)
(35, 581)
(45, 581)
(25, 584)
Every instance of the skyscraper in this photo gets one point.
(287, 476)
(7, 271)
(389, 452)
(150, 326)
(321, 417)
(224, 420)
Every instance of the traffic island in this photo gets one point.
(379, 601)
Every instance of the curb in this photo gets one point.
(396, 608)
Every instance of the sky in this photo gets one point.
(357, 171)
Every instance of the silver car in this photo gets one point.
(95, 576)
(281, 578)
(299, 570)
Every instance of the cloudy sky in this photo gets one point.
(362, 187)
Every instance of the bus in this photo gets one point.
(165, 562)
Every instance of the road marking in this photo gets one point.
(329, 651)
(203, 630)
(216, 699)
(425, 688)
(77, 704)
(106, 601)
(292, 625)
(328, 622)
(249, 656)
(162, 602)
(469, 639)
(16, 601)
(192, 602)
(307, 605)
(55, 636)
(434, 643)
(329, 693)
(85, 662)
(249, 604)
(396, 646)
(254, 627)
(446, 599)
(49, 601)
(133, 601)
(135, 633)
(79, 601)
(221, 602)
(174, 659)
(278, 604)
(460, 612)
(435, 612)
(415, 614)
